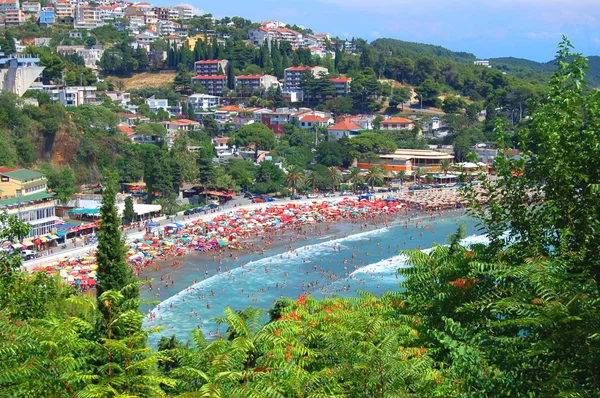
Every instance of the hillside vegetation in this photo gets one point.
(403, 48)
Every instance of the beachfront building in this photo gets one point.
(409, 160)
(24, 193)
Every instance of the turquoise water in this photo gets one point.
(338, 262)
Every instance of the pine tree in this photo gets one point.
(128, 212)
(230, 76)
(114, 273)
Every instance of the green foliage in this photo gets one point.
(405, 48)
(114, 273)
(256, 133)
(128, 212)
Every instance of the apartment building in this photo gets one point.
(30, 7)
(185, 12)
(249, 83)
(111, 12)
(87, 17)
(275, 121)
(259, 35)
(14, 17)
(341, 86)
(157, 103)
(202, 101)
(89, 55)
(292, 77)
(6, 5)
(24, 193)
(166, 13)
(166, 28)
(46, 17)
(212, 67)
(63, 11)
(214, 85)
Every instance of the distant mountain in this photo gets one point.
(407, 48)
(525, 68)
(519, 67)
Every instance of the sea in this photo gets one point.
(339, 261)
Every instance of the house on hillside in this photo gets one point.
(223, 149)
(344, 129)
(397, 123)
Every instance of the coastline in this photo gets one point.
(245, 229)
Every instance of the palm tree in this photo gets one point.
(402, 175)
(375, 175)
(418, 173)
(293, 177)
(120, 85)
(445, 166)
(311, 178)
(335, 177)
(355, 177)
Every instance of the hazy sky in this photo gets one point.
(487, 28)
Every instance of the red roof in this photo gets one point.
(172, 37)
(293, 68)
(314, 118)
(397, 120)
(230, 108)
(208, 61)
(4, 169)
(345, 126)
(222, 140)
(125, 129)
(340, 79)
(249, 77)
(210, 77)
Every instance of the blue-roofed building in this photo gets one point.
(46, 16)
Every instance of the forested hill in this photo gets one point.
(525, 68)
(404, 48)
(520, 67)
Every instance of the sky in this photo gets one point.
(528, 29)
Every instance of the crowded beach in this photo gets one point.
(235, 230)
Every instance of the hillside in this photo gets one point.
(400, 47)
(525, 68)
(145, 80)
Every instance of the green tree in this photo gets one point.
(428, 93)
(335, 177)
(258, 134)
(114, 273)
(354, 177)
(445, 166)
(128, 212)
(452, 104)
(293, 178)
(183, 79)
(375, 175)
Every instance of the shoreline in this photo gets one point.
(210, 264)
(247, 230)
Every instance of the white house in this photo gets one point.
(344, 129)
(203, 101)
(311, 121)
(223, 149)
(156, 104)
(397, 123)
